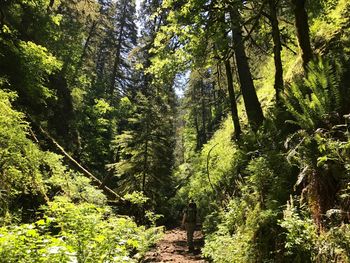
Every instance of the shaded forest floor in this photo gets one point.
(173, 248)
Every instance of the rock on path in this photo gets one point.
(173, 248)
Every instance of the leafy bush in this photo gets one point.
(305, 243)
(75, 225)
(80, 232)
(244, 238)
(25, 243)
(27, 170)
(21, 160)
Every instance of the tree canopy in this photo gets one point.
(114, 113)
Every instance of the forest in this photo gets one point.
(114, 113)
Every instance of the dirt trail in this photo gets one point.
(173, 248)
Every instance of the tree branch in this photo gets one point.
(109, 192)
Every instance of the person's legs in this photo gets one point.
(190, 232)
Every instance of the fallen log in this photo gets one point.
(108, 191)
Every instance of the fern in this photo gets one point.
(312, 100)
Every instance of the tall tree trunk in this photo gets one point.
(210, 114)
(115, 68)
(198, 146)
(144, 173)
(86, 45)
(302, 28)
(251, 102)
(145, 163)
(276, 49)
(204, 130)
(118, 52)
(216, 104)
(63, 120)
(233, 103)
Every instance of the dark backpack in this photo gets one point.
(191, 214)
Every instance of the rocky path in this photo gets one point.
(173, 248)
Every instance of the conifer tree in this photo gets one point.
(114, 40)
(146, 147)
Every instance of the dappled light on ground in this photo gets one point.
(173, 248)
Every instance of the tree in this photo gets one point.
(222, 51)
(302, 28)
(192, 39)
(232, 97)
(198, 103)
(105, 113)
(276, 48)
(251, 102)
(125, 40)
(146, 145)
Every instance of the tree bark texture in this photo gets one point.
(204, 130)
(251, 102)
(276, 49)
(302, 28)
(63, 119)
(233, 104)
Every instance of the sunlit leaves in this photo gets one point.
(38, 64)
(20, 158)
(313, 100)
(83, 232)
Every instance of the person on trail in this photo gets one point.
(189, 221)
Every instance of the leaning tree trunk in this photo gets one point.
(302, 28)
(224, 45)
(251, 102)
(276, 49)
(233, 104)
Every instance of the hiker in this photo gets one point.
(189, 221)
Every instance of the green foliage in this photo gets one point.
(145, 150)
(241, 206)
(315, 101)
(72, 66)
(21, 160)
(137, 198)
(301, 233)
(216, 158)
(251, 215)
(36, 65)
(82, 232)
(26, 243)
(331, 32)
(243, 238)
(26, 62)
(76, 225)
(304, 243)
(25, 169)
(72, 184)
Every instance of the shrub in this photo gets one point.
(76, 232)
(305, 243)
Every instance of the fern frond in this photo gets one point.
(309, 101)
